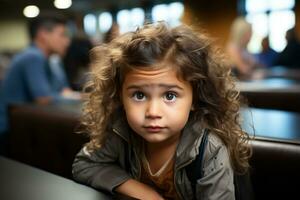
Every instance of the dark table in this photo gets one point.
(272, 125)
(278, 72)
(272, 93)
(273, 88)
(23, 182)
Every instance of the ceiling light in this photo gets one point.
(62, 4)
(31, 11)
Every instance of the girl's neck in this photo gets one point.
(158, 153)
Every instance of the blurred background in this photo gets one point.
(259, 37)
(94, 20)
(268, 17)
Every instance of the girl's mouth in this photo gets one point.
(153, 129)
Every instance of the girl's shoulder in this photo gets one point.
(215, 146)
(214, 140)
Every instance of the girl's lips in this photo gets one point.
(153, 129)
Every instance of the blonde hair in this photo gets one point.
(239, 28)
(216, 101)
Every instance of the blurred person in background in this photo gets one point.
(267, 56)
(243, 61)
(59, 80)
(30, 78)
(5, 58)
(290, 56)
(76, 61)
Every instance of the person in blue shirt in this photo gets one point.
(267, 56)
(30, 79)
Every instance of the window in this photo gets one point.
(171, 13)
(90, 24)
(105, 22)
(269, 17)
(129, 20)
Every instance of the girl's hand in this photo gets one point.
(138, 190)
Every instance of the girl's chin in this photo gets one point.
(154, 139)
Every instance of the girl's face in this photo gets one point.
(157, 103)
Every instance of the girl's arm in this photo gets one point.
(102, 170)
(138, 190)
(217, 181)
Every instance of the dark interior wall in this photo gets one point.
(216, 16)
(297, 11)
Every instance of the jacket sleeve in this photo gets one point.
(102, 169)
(218, 179)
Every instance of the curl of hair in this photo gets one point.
(216, 101)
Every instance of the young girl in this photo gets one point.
(152, 94)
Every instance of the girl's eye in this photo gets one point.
(170, 96)
(138, 96)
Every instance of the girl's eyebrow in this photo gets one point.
(166, 86)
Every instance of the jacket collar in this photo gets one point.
(120, 125)
(187, 148)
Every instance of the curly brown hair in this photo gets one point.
(216, 101)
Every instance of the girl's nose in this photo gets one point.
(153, 110)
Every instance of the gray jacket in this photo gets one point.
(105, 167)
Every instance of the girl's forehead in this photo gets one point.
(156, 69)
(150, 71)
(153, 75)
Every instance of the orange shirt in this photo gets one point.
(164, 183)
